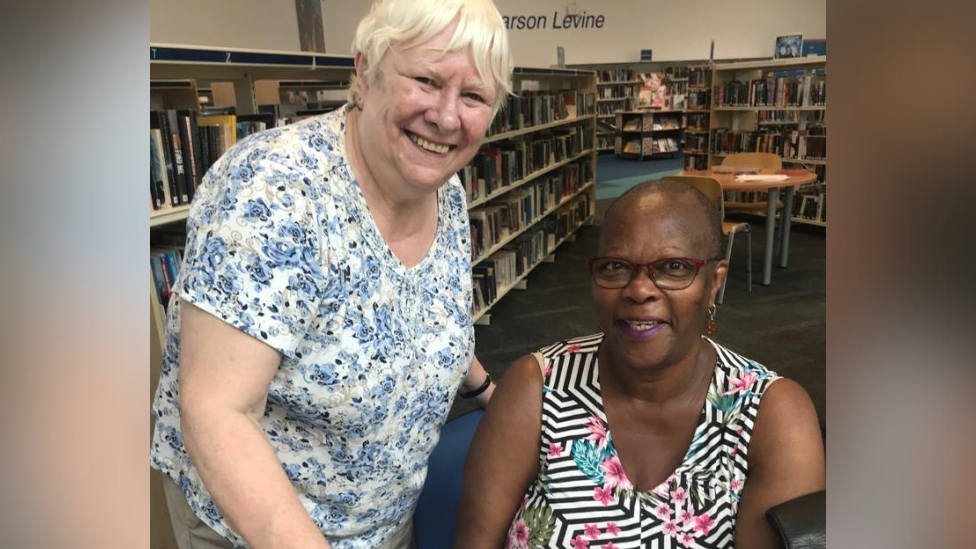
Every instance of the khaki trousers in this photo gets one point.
(193, 533)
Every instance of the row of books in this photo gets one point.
(776, 117)
(663, 145)
(813, 147)
(696, 162)
(678, 71)
(697, 120)
(696, 142)
(498, 165)
(512, 212)
(176, 162)
(810, 144)
(697, 100)
(616, 92)
(616, 75)
(282, 114)
(535, 108)
(604, 109)
(811, 203)
(795, 91)
(164, 266)
(526, 251)
(649, 145)
(506, 265)
(604, 141)
(648, 122)
(699, 77)
(184, 144)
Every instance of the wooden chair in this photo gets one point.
(711, 188)
(766, 161)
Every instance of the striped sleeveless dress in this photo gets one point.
(582, 499)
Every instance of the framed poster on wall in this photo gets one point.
(788, 46)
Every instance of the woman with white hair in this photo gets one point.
(323, 324)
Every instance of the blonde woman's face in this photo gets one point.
(424, 115)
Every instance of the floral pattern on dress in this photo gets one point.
(582, 496)
(281, 245)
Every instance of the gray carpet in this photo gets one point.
(783, 326)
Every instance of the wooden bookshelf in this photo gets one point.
(525, 131)
(585, 124)
(764, 108)
(810, 161)
(618, 83)
(697, 105)
(508, 238)
(794, 86)
(637, 137)
(168, 215)
(534, 175)
(482, 316)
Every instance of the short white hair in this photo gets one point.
(480, 30)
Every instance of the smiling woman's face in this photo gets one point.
(647, 327)
(423, 116)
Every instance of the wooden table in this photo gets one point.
(772, 188)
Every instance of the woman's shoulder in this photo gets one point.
(582, 344)
(739, 376)
(733, 362)
(305, 148)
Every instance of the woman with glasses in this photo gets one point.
(648, 434)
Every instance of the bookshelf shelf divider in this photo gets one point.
(777, 106)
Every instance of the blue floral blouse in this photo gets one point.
(280, 244)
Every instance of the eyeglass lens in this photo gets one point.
(667, 273)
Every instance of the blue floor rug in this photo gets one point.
(616, 175)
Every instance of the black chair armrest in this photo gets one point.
(802, 522)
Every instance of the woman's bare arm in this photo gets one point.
(786, 460)
(224, 379)
(503, 459)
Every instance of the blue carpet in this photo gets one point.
(616, 175)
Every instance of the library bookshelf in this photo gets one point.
(617, 89)
(697, 105)
(533, 184)
(777, 106)
(625, 79)
(646, 133)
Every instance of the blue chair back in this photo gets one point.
(433, 521)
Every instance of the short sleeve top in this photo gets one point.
(281, 245)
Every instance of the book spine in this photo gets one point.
(189, 156)
(178, 163)
(157, 121)
(155, 174)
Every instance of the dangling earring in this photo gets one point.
(711, 319)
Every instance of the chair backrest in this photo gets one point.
(709, 186)
(433, 520)
(764, 160)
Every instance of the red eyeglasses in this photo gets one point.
(669, 273)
